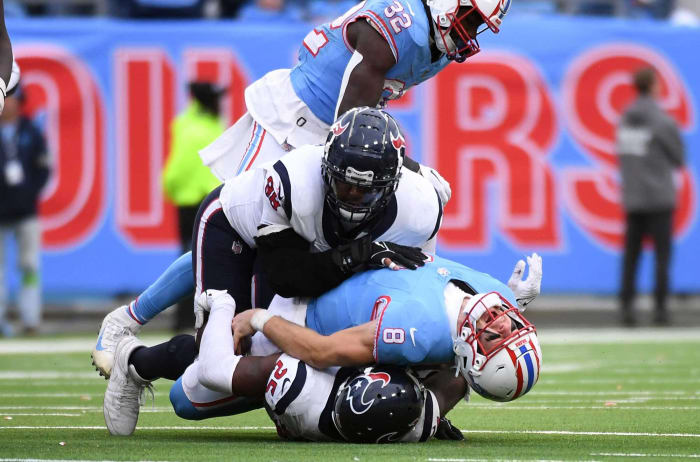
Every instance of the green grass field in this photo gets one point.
(607, 395)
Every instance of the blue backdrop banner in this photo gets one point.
(524, 132)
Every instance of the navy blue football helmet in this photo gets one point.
(362, 163)
(378, 404)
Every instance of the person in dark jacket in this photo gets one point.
(24, 170)
(650, 148)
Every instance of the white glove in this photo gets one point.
(439, 183)
(14, 76)
(207, 300)
(6, 88)
(526, 291)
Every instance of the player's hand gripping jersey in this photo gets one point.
(414, 325)
(325, 53)
(300, 400)
(296, 198)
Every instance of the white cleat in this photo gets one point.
(124, 394)
(115, 326)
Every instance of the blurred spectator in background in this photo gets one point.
(24, 170)
(272, 10)
(185, 178)
(650, 148)
(157, 8)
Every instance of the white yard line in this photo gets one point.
(60, 345)
(49, 374)
(232, 428)
(632, 454)
(546, 336)
(68, 460)
(502, 460)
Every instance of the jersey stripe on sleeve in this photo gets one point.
(287, 186)
(294, 390)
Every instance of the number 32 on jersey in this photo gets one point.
(395, 14)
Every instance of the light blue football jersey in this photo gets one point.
(409, 304)
(325, 54)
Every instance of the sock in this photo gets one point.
(176, 282)
(167, 360)
(217, 360)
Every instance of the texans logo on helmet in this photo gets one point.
(339, 128)
(398, 142)
(363, 389)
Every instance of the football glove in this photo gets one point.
(408, 257)
(447, 431)
(8, 88)
(206, 301)
(440, 184)
(526, 290)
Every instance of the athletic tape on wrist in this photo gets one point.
(258, 320)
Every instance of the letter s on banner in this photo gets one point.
(597, 88)
(494, 123)
(59, 86)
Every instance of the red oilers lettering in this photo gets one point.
(144, 109)
(597, 88)
(220, 65)
(271, 194)
(73, 202)
(495, 130)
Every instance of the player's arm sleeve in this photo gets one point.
(447, 388)
(348, 347)
(292, 270)
(403, 334)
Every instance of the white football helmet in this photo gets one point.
(451, 36)
(500, 367)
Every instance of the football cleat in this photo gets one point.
(125, 390)
(115, 326)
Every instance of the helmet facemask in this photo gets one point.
(497, 350)
(452, 20)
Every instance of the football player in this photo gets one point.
(349, 201)
(449, 312)
(371, 54)
(380, 404)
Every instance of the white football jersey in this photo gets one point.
(296, 198)
(300, 400)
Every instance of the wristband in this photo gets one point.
(258, 320)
